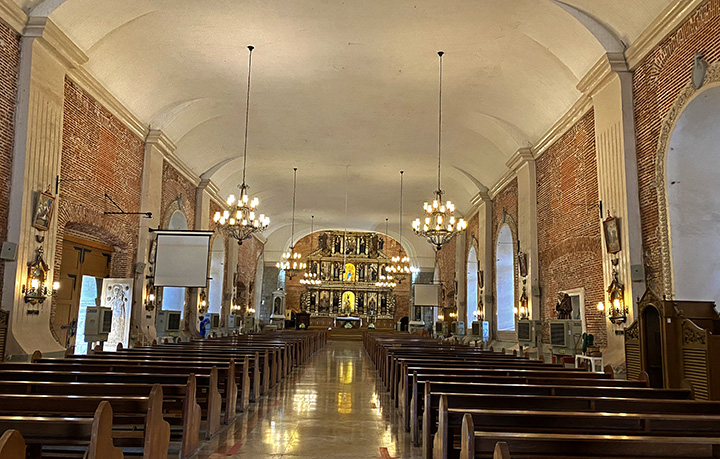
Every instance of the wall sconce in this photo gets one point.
(35, 288)
(478, 315)
(202, 305)
(617, 311)
(522, 310)
(149, 297)
(441, 317)
(453, 316)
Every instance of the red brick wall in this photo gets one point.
(507, 200)
(174, 185)
(9, 61)
(446, 271)
(104, 157)
(656, 84)
(308, 244)
(570, 250)
(248, 254)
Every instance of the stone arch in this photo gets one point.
(686, 96)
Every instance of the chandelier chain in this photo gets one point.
(247, 115)
(401, 204)
(440, 53)
(292, 227)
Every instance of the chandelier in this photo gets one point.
(439, 225)
(291, 261)
(385, 281)
(400, 267)
(242, 219)
(310, 277)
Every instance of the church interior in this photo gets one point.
(408, 229)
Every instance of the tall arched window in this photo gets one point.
(173, 298)
(505, 280)
(472, 286)
(694, 200)
(217, 274)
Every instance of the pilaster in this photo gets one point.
(618, 185)
(485, 256)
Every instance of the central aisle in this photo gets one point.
(332, 406)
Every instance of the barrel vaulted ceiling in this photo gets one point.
(347, 90)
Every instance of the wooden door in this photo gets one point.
(80, 258)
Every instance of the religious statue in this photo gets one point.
(323, 244)
(338, 244)
(564, 306)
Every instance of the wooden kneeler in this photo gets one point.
(12, 445)
(101, 443)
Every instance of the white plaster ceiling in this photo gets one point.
(338, 83)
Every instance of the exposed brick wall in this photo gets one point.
(505, 200)
(656, 84)
(446, 272)
(175, 184)
(570, 249)
(9, 61)
(102, 156)
(248, 254)
(308, 244)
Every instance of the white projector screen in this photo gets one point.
(181, 258)
(427, 294)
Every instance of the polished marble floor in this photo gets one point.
(333, 406)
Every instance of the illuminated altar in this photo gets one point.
(349, 279)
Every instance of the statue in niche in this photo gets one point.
(336, 271)
(338, 245)
(361, 303)
(349, 275)
(371, 307)
(324, 301)
(373, 251)
(350, 246)
(336, 303)
(363, 244)
(325, 271)
(373, 273)
(323, 244)
(381, 243)
(383, 306)
(361, 272)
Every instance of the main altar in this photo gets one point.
(347, 282)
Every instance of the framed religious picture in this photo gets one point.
(612, 234)
(522, 264)
(43, 211)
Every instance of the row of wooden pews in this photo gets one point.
(152, 402)
(460, 401)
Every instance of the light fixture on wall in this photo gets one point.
(202, 303)
(291, 261)
(439, 224)
(521, 310)
(617, 311)
(149, 297)
(400, 267)
(242, 219)
(35, 288)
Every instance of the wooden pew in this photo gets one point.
(592, 446)
(12, 445)
(141, 418)
(179, 402)
(571, 422)
(94, 432)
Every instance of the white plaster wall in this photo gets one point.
(693, 163)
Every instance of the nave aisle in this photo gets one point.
(330, 407)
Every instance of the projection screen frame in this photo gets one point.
(161, 281)
(424, 304)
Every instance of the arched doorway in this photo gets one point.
(472, 286)
(652, 347)
(505, 282)
(173, 298)
(217, 275)
(693, 199)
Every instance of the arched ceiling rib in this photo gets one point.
(348, 83)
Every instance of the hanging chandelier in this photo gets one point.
(310, 277)
(439, 225)
(241, 220)
(291, 261)
(400, 266)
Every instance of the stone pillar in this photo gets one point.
(156, 147)
(485, 255)
(523, 163)
(612, 97)
(461, 280)
(36, 165)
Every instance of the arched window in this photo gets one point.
(472, 286)
(505, 280)
(173, 298)
(693, 199)
(217, 274)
